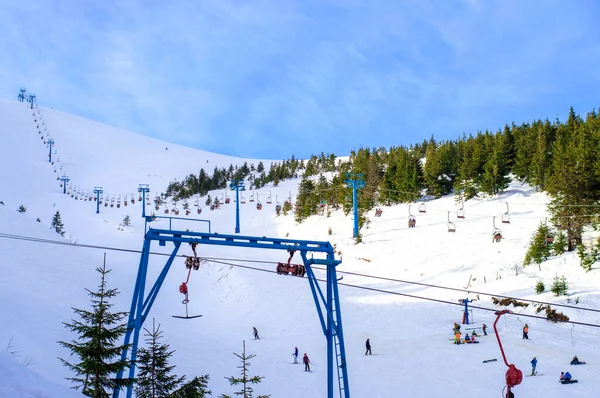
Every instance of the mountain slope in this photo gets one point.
(410, 337)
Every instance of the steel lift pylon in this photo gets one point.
(328, 304)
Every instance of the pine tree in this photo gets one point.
(126, 221)
(57, 224)
(195, 388)
(155, 377)
(22, 209)
(245, 381)
(99, 357)
(538, 248)
(559, 244)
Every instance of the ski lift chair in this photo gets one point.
(199, 210)
(549, 240)
(422, 208)
(496, 233)
(269, 200)
(278, 209)
(258, 206)
(506, 216)
(451, 225)
(412, 220)
(378, 212)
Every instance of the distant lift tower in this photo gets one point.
(144, 190)
(21, 96)
(98, 191)
(32, 99)
(355, 181)
(328, 304)
(50, 143)
(65, 180)
(237, 185)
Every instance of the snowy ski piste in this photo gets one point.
(411, 338)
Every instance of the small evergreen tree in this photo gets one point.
(560, 243)
(22, 209)
(57, 224)
(539, 250)
(126, 221)
(559, 286)
(208, 200)
(195, 388)
(539, 287)
(155, 377)
(245, 381)
(98, 355)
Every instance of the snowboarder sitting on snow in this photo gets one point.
(473, 341)
(306, 363)
(567, 376)
(576, 361)
(533, 365)
(467, 338)
(474, 333)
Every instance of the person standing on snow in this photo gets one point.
(525, 331)
(368, 345)
(457, 338)
(533, 365)
(306, 363)
(295, 354)
(484, 329)
(255, 333)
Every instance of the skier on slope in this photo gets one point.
(255, 330)
(484, 327)
(525, 332)
(533, 365)
(306, 363)
(295, 354)
(368, 345)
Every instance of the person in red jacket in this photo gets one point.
(306, 363)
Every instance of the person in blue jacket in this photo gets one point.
(295, 355)
(533, 365)
(567, 376)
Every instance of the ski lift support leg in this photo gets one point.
(513, 375)
(144, 189)
(355, 181)
(328, 305)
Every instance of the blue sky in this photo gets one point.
(268, 79)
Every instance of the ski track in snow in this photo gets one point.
(410, 337)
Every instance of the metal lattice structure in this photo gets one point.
(327, 303)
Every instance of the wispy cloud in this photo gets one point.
(272, 78)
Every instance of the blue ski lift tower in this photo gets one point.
(21, 96)
(98, 191)
(237, 185)
(355, 181)
(65, 180)
(144, 190)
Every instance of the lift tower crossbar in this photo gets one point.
(328, 304)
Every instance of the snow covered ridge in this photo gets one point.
(18, 380)
(41, 282)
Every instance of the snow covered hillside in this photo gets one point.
(411, 337)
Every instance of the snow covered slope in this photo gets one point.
(410, 337)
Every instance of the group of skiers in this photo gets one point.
(305, 359)
(469, 339)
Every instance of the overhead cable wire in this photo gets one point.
(222, 260)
